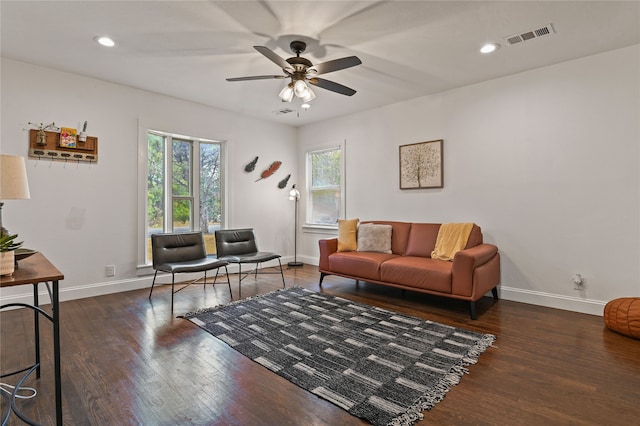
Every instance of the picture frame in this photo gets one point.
(421, 165)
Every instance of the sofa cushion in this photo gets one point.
(373, 237)
(475, 238)
(422, 239)
(347, 231)
(418, 272)
(365, 265)
(399, 235)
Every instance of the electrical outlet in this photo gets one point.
(110, 270)
(578, 282)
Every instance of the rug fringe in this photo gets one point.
(429, 400)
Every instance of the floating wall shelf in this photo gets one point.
(86, 151)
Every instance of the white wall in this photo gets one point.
(84, 217)
(546, 162)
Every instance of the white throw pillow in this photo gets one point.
(373, 237)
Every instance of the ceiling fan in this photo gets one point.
(302, 71)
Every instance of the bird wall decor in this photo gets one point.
(283, 183)
(271, 170)
(251, 166)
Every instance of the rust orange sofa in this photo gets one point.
(474, 271)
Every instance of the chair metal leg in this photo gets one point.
(215, 279)
(239, 280)
(282, 274)
(173, 279)
(153, 283)
(228, 281)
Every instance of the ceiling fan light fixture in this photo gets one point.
(300, 88)
(286, 94)
(305, 106)
(308, 96)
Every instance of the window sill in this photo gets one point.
(320, 229)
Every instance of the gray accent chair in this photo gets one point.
(239, 246)
(180, 253)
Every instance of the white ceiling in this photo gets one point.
(186, 49)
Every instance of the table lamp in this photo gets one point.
(13, 182)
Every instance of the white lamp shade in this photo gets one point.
(286, 94)
(309, 95)
(294, 194)
(300, 88)
(13, 178)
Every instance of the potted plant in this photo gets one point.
(8, 245)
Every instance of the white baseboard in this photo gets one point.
(568, 303)
(108, 287)
(549, 300)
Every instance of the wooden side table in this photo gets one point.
(34, 270)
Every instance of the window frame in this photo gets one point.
(309, 225)
(144, 264)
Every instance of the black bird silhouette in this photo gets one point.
(251, 166)
(283, 182)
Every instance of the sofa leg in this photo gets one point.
(322, 275)
(494, 291)
(472, 310)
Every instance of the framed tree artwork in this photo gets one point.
(421, 165)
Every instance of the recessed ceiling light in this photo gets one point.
(489, 47)
(105, 41)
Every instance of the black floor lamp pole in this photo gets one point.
(295, 262)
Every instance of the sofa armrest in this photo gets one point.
(327, 247)
(464, 264)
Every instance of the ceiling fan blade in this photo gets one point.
(274, 57)
(256, 77)
(335, 65)
(332, 85)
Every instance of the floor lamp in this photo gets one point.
(294, 195)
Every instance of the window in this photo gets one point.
(325, 170)
(183, 187)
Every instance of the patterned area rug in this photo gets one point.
(379, 365)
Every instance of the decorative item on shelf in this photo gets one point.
(251, 166)
(67, 137)
(294, 195)
(13, 182)
(41, 138)
(283, 183)
(271, 170)
(62, 145)
(82, 137)
(8, 245)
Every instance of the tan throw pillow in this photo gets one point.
(347, 234)
(372, 237)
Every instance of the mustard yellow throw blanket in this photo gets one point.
(452, 237)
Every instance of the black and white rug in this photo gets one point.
(379, 365)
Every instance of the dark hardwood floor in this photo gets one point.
(129, 361)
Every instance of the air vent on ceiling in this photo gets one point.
(530, 35)
(283, 111)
